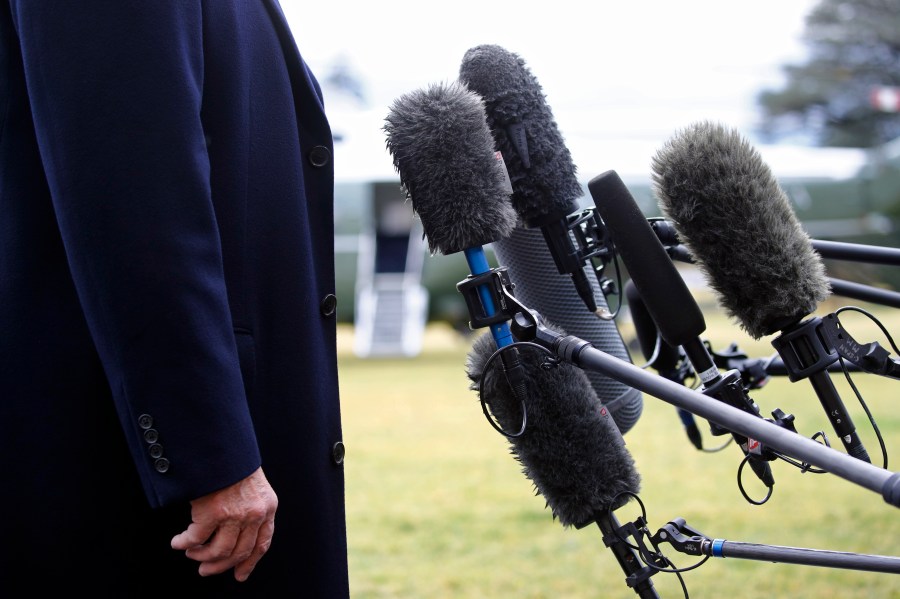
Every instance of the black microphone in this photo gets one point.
(670, 303)
(444, 153)
(737, 223)
(664, 358)
(540, 256)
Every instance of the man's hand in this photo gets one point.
(231, 528)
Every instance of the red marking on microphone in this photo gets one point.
(753, 446)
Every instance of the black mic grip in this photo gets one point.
(856, 448)
(690, 428)
(838, 415)
(515, 372)
(762, 469)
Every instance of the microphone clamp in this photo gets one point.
(574, 239)
(752, 370)
(806, 353)
(528, 325)
(500, 288)
(690, 541)
(804, 350)
(869, 357)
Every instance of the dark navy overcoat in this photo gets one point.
(167, 317)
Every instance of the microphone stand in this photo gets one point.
(866, 293)
(636, 575)
(689, 541)
(836, 250)
(526, 326)
(857, 252)
(801, 345)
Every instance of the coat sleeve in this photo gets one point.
(115, 88)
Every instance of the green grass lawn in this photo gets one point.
(438, 508)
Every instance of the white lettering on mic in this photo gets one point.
(708, 374)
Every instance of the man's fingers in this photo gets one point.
(196, 534)
(262, 543)
(239, 524)
(233, 548)
(220, 546)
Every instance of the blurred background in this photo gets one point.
(813, 84)
(436, 505)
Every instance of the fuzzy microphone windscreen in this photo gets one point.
(571, 449)
(444, 152)
(737, 222)
(540, 165)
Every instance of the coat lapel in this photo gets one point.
(307, 93)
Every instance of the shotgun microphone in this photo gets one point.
(444, 153)
(539, 253)
(545, 185)
(737, 223)
(570, 448)
(670, 303)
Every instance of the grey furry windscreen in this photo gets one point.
(737, 222)
(443, 150)
(513, 95)
(571, 449)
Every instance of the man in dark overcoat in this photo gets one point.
(169, 416)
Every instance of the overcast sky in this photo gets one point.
(634, 70)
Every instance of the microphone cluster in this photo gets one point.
(483, 163)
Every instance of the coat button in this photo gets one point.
(151, 435)
(161, 465)
(328, 305)
(156, 450)
(145, 421)
(337, 453)
(319, 156)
